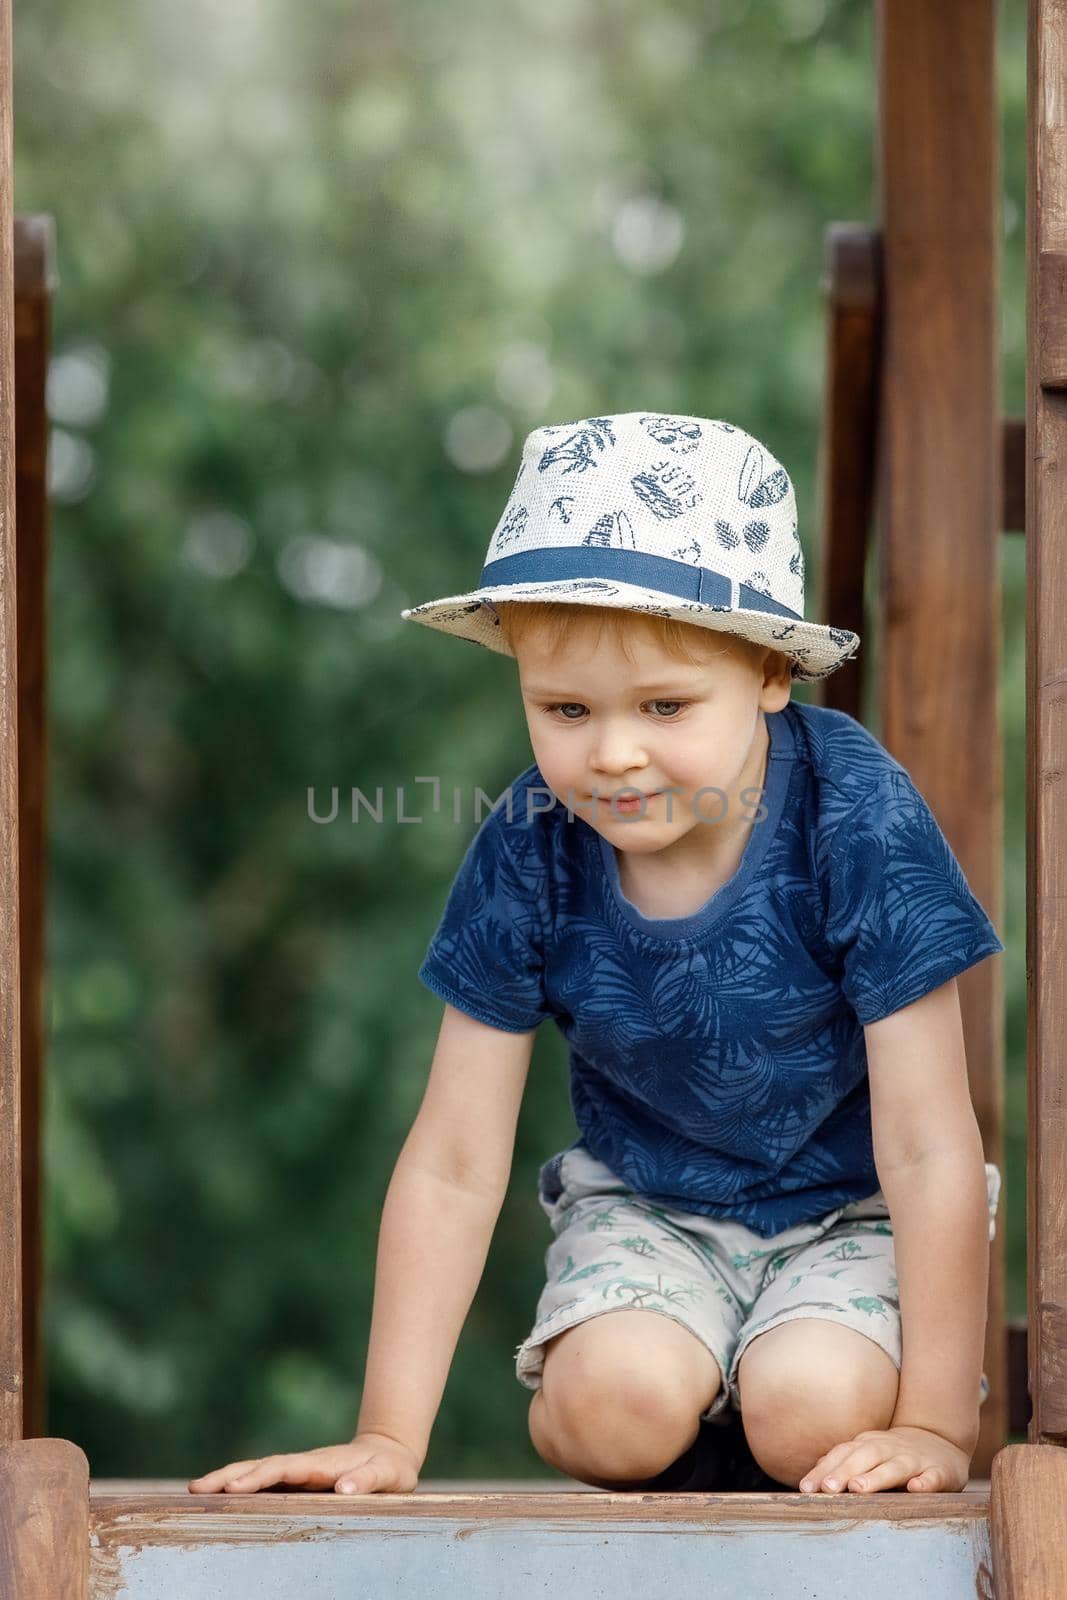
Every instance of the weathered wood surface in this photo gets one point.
(454, 1541)
(1046, 717)
(35, 279)
(1028, 1522)
(852, 289)
(940, 499)
(44, 1520)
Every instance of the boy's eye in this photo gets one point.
(563, 706)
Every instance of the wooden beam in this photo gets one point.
(35, 279)
(940, 499)
(44, 1521)
(1046, 717)
(852, 291)
(1028, 1522)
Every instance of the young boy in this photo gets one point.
(778, 1189)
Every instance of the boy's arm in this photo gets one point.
(441, 1207)
(931, 1167)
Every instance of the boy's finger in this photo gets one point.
(212, 1481)
(263, 1472)
(888, 1474)
(857, 1461)
(364, 1480)
(826, 1466)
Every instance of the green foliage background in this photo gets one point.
(321, 268)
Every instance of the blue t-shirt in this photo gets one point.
(717, 1061)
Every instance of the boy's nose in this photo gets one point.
(621, 776)
(621, 762)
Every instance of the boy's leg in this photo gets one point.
(820, 1354)
(809, 1384)
(621, 1397)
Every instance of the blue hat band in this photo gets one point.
(555, 563)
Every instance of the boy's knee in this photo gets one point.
(636, 1363)
(611, 1437)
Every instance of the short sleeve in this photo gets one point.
(487, 956)
(901, 915)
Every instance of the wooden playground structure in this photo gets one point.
(921, 477)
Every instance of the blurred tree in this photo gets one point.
(321, 269)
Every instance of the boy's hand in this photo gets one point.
(371, 1463)
(884, 1459)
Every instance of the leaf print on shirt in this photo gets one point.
(901, 914)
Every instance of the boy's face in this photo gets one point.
(600, 724)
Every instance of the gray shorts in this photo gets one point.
(612, 1250)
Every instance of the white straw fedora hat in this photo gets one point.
(676, 516)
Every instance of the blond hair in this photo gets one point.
(551, 621)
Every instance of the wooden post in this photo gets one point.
(1046, 715)
(44, 1521)
(10, 1010)
(852, 289)
(939, 499)
(35, 279)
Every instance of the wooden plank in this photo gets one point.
(35, 277)
(1046, 722)
(10, 1161)
(44, 1520)
(852, 290)
(163, 1492)
(597, 1544)
(1028, 1522)
(940, 497)
(1050, 357)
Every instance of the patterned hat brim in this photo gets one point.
(815, 649)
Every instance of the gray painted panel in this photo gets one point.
(463, 1559)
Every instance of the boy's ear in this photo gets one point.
(777, 680)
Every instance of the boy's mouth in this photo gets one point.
(629, 801)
